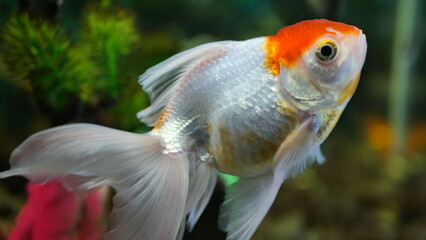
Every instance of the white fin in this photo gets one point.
(181, 231)
(248, 200)
(160, 80)
(319, 157)
(151, 186)
(9, 173)
(246, 204)
(298, 151)
(202, 184)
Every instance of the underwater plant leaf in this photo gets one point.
(39, 52)
(108, 35)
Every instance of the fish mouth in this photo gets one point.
(349, 90)
(360, 50)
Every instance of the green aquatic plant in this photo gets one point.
(107, 35)
(39, 52)
(403, 58)
(66, 74)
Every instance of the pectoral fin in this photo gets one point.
(299, 150)
(248, 200)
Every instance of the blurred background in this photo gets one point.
(78, 61)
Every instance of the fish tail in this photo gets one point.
(152, 186)
(9, 173)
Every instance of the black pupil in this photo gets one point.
(326, 51)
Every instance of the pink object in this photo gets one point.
(54, 213)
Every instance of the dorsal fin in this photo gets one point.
(160, 80)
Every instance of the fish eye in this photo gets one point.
(326, 50)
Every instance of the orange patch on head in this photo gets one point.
(290, 42)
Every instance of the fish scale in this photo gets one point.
(229, 120)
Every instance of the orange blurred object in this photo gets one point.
(379, 133)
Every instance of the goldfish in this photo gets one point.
(258, 109)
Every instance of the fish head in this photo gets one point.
(318, 63)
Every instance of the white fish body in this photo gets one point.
(239, 107)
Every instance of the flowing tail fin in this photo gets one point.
(152, 187)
